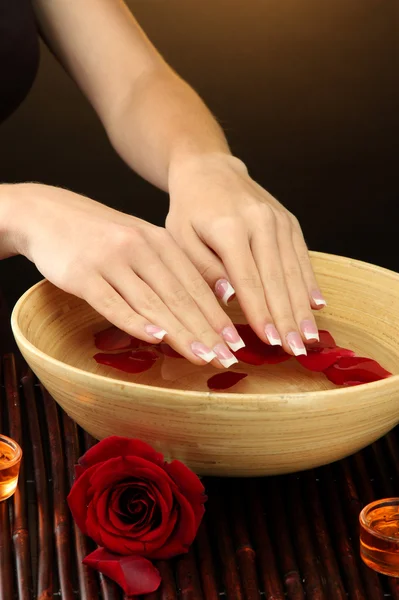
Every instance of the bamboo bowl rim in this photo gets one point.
(232, 397)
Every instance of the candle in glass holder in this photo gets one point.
(379, 536)
(10, 462)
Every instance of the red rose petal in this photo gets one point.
(349, 369)
(322, 358)
(112, 338)
(133, 361)
(257, 352)
(115, 446)
(223, 381)
(135, 575)
(78, 498)
(169, 351)
(326, 340)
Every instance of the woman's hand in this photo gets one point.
(243, 240)
(131, 272)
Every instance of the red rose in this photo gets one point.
(135, 506)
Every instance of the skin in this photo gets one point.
(221, 224)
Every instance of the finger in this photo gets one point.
(243, 273)
(209, 266)
(147, 302)
(110, 304)
(315, 295)
(179, 263)
(297, 290)
(266, 252)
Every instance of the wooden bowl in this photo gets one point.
(280, 419)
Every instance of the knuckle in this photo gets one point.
(206, 269)
(292, 272)
(283, 219)
(110, 302)
(179, 298)
(199, 287)
(251, 282)
(276, 277)
(223, 226)
(150, 302)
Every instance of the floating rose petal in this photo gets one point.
(319, 359)
(326, 340)
(112, 338)
(168, 351)
(257, 352)
(355, 369)
(223, 381)
(133, 361)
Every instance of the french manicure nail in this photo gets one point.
(224, 290)
(318, 298)
(232, 339)
(203, 351)
(273, 335)
(226, 358)
(309, 330)
(296, 344)
(156, 332)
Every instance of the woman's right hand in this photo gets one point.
(131, 272)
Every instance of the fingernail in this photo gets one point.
(318, 298)
(203, 351)
(309, 330)
(296, 344)
(224, 290)
(156, 332)
(232, 339)
(273, 335)
(226, 358)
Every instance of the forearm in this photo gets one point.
(162, 124)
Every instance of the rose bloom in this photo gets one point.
(135, 506)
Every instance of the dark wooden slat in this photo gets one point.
(20, 528)
(284, 547)
(63, 542)
(344, 548)
(187, 577)
(206, 563)
(217, 515)
(272, 585)
(353, 506)
(6, 562)
(333, 581)
(6, 559)
(87, 582)
(244, 551)
(44, 584)
(307, 557)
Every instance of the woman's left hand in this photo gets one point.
(239, 236)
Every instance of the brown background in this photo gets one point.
(306, 90)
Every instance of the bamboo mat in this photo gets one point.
(291, 537)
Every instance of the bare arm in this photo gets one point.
(151, 116)
(236, 234)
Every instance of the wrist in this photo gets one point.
(14, 217)
(191, 165)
